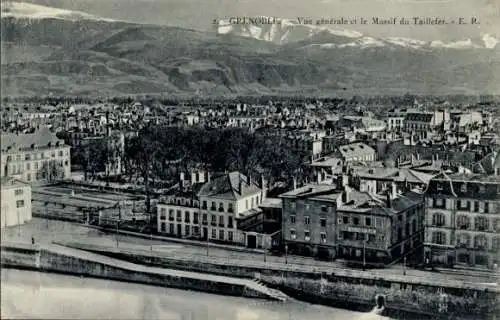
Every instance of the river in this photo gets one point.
(36, 295)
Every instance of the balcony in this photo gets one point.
(204, 222)
(170, 218)
(187, 221)
(213, 208)
(221, 225)
(213, 224)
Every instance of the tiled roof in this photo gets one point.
(227, 186)
(14, 142)
(310, 190)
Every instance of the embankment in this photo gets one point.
(404, 297)
(58, 259)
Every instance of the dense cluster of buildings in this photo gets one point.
(419, 183)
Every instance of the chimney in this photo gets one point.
(388, 199)
(294, 183)
(394, 190)
(108, 129)
(412, 159)
(207, 176)
(263, 187)
(181, 180)
(319, 177)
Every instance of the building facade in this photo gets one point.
(35, 158)
(16, 202)
(309, 216)
(463, 221)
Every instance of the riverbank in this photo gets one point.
(352, 289)
(59, 259)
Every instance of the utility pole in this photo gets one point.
(404, 265)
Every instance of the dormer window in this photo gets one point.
(439, 187)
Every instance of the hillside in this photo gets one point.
(92, 56)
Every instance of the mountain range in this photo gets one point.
(51, 51)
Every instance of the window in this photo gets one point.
(171, 215)
(293, 205)
(463, 187)
(379, 222)
(214, 233)
(171, 228)
(230, 236)
(195, 217)
(246, 204)
(481, 223)
(186, 230)
(221, 221)
(292, 219)
(476, 206)
(28, 166)
(486, 207)
(307, 220)
(214, 220)
(322, 222)
(323, 237)
(495, 243)
(463, 240)
(60, 153)
(28, 177)
(163, 214)
(438, 219)
(293, 234)
(480, 242)
(204, 206)
(251, 200)
(213, 206)
(439, 237)
(324, 209)
(257, 200)
(463, 222)
(221, 234)
(438, 203)
(229, 207)
(439, 187)
(163, 227)
(20, 203)
(346, 220)
(205, 218)
(307, 235)
(368, 221)
(186, 217)
(496, 225)
(66, 163)
(221, 207)
(179, 215)
(230, 222)
(18, 192)
(482, 188)
(355, 221)
(36, 165)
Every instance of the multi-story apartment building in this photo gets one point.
(211, 209)
(16, 202)
(225, 199)
(329, 222)
(179, 215)
(463, 219)
(309, 216)
(378, 231)
(37, 157)
(356, 152)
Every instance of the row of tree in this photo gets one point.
(162, 152)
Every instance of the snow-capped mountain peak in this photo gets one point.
(285, 31)
(35, 11)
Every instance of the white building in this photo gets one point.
(16, 202)
(37, 157)
(226, 199)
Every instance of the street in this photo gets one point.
(46, 231)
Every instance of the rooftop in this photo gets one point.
(231, 186)
(42, 138)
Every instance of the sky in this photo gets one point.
(199, 14)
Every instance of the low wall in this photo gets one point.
(27, 257)
(336, 290)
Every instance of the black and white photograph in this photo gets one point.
(250, 159)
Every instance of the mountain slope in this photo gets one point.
(88, 55)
